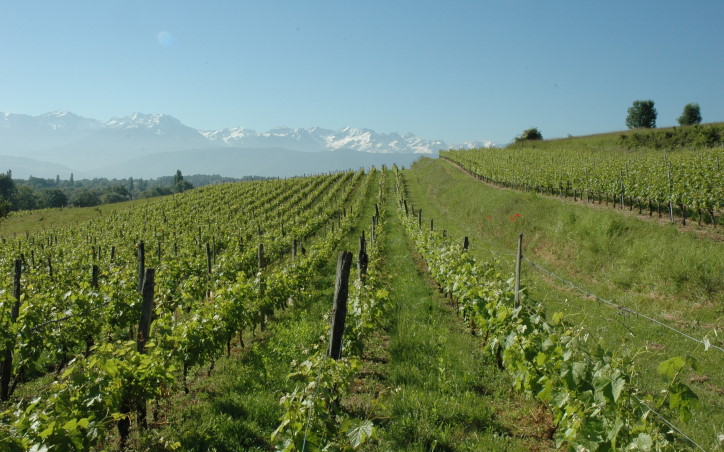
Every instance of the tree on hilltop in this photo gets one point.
(529, 135)
(691, 115)
(641, 115)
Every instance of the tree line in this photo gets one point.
(641, 115)
(39, 193)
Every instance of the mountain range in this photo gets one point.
(143, 145)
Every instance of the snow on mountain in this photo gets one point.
(228, 136)
(158, 124)
(60, 120)
(67, 138)
(476, 145)
(317, 138)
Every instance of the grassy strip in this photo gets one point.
(443, 393)
(653, 269)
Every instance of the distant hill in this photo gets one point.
(267, 162)
(23, 168)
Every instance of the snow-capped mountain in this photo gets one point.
(65, 138)
(317, 138)
(475, 145)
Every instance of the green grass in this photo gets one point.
(443, 391)
(655, 269)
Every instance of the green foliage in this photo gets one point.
(5, 207)
(641, 115)
(691, 115)
(697, 136)
(529, 135)
(85, 198)
(25, 199)
(54, 197)
(7, 186)
(183, 185)
(112, 197)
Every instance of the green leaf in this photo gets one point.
(617, 387)
(669, 368)
(70, 425)
(358, 431)
(614, 429)
(546, 393)
(643, 441)
(48, 431)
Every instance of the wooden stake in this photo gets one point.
(517, 269)
(341, 291)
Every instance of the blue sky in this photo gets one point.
(451, 70)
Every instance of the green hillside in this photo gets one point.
(704, 135)
(619, 315)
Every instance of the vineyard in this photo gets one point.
(107, 324)
(684, 183)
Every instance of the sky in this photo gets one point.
(450, 70)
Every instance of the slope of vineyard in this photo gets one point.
(668, 275)
(212, 282)
(691, 182)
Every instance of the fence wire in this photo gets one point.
(585, 292)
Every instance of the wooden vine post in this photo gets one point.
(141, 265)
(7, 364)
(517, 269)
(144, 329)
(339, 314)
(262, 265)
(208, 258)
(94, 276)
(372, 230)
(363, 259)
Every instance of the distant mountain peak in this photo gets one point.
(64, 137)
(59, 114)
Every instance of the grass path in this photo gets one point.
(443, 393)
